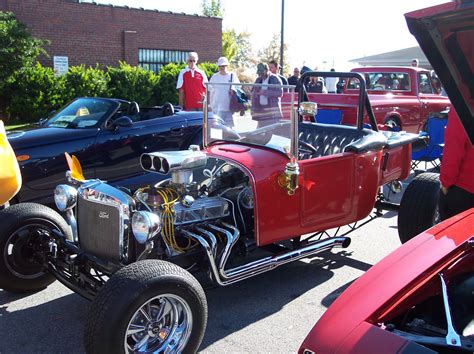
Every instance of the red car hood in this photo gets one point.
(446, 36)
(388, 282)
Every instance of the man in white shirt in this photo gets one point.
(331, 83)
(220, 94)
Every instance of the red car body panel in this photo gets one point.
(281, 216)
(366, 336)
(349, 319)
(394, 164)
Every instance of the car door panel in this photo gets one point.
(338, 189)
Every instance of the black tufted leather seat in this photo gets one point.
(330, 139)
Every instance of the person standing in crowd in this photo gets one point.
(415, 63)
(274, 69)
(220, 94)
(266, 101)
(191, 85)
(457, 170)
(316, 85)
(293, 79)
(331, 83)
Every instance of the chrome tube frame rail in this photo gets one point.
(362, 90)
(205, 112)
(225, 277)
(294, 130)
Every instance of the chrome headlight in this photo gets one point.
(145, 225)
(65, 197)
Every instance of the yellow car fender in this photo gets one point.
(10, 176)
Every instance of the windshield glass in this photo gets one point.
(256, 114)
(392, 81)
(82, 113)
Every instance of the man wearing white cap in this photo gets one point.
(220, 94)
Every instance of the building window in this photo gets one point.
(155, 59)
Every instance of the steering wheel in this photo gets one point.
(306, 149)
(167, 109)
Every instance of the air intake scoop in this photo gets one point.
(170, 161)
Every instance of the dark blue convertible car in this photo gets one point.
(107, 135)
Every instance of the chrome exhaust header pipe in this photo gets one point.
(226, 277)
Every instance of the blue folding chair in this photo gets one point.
(432, 153)
(329, 116)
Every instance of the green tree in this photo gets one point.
(212, 8)
(229, 44)
(245, 57)
(18, 50)
(272, 52)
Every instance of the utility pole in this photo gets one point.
(281, 35)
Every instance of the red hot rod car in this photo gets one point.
(233, 210)
(420, 298)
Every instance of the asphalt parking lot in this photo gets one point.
(271, 313)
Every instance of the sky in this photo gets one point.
(318, 33)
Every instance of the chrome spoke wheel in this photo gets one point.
(161, 325)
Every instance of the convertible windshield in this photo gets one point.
(82, 113)
(256, 114)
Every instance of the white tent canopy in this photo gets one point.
(401, 57)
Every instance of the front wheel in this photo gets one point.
(419, 206)
(147, 306)
(23, 230)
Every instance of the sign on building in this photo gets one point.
(61, 65)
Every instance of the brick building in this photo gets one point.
(89, 33)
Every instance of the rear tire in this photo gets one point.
(151, 304)
(20, 225)
(419, 206)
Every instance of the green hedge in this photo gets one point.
(36, 91)
(165, 90)
(133, 83)
(81, 81)
(209, 68)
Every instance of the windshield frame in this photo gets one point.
(114, 106)
(292, 153)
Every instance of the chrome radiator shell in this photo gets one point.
(103, 220)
